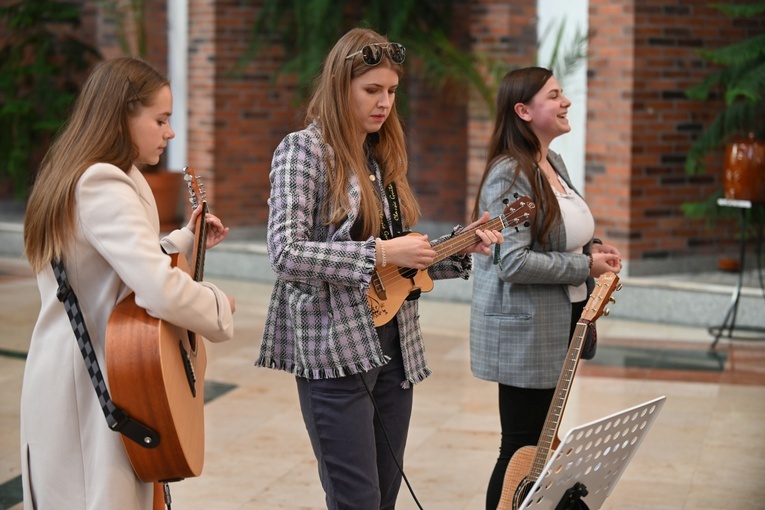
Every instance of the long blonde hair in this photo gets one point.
(97, 132)
(331, 107)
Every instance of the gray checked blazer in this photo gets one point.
(521, 313)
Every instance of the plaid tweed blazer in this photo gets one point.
(521, 314)
(319, 324)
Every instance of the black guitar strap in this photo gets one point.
(116, 418)
(386, 232)
(396, 227)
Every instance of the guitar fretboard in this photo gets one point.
(552, 422)
(201, 244)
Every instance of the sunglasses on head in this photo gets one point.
(372, 53)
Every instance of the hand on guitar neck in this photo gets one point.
(416, 252)
(215, 231)
(402, 262)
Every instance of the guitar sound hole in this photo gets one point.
(192, 342)
(521, 493)
(188, 367)
(407, 273)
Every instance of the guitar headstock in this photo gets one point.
(605, 285)
(520, 213)
(197, 193)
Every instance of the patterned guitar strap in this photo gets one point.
(116, 418)
(396, 227)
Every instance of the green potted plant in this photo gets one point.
(42, 63)
(307, 30)
(740, 78)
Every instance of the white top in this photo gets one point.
(580, 227)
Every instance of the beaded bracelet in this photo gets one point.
(378, 242)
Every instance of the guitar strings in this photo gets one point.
(392, 275)
(559, 402)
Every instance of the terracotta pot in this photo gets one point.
(166, 187)
(745, 170)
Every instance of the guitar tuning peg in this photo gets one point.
(505, 201)
(606, 312)
(187, 177)
(619, 286)
(611, 300)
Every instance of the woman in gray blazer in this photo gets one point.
(527, 300)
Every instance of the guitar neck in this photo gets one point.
(200, 245)
(466, 239)
(558, 404)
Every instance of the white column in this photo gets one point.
(575, 14)
(177, 64)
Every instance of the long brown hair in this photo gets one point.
(513, 137)
(97, 132)
(331, 106)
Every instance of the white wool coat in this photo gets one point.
(70, 458)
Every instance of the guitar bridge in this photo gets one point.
(378, 286)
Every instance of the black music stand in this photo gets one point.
(729, 322)
(589, 461)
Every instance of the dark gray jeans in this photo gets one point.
(356, 468)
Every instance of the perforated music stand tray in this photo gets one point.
(595, 455)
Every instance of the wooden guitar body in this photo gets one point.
(385, 301)
(156, 375)
(515, 486)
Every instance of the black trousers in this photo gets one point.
(356, 468)
(522, 414)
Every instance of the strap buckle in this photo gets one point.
(135, 431)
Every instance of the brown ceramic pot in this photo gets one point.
(745, 170)
(167, 187)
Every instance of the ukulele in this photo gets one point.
(392, 285)
(156, 374)
(527, 464)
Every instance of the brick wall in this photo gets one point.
(437, 137)
(506, 31)
(640, 126)
(237, 120)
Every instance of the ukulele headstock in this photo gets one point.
(520, 213)
(605, 285)
(197, 193)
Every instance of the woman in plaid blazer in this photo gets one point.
(339, 202)
(527, 303)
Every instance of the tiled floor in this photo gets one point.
(705, 450)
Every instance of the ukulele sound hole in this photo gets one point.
(407, 273)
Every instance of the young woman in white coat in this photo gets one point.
(92, 208)
(526, 302)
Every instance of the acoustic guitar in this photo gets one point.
(156, 374)
(392, 285)
(527, 464)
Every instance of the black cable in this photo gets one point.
(166, 490)
(387, 440)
